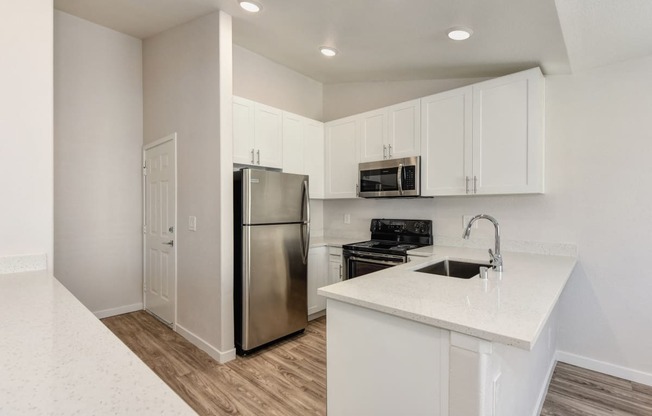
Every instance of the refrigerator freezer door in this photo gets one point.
(274, 286)
(273, 197)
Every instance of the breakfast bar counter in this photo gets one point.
(57, 358)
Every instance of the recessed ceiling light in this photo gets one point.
(459, 33)
(327, 51)
(250, 6)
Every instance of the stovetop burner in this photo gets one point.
(395, 236)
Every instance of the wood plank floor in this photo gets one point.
(289, 378)
(286, 379)
(579, 392)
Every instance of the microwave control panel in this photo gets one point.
(409, 178)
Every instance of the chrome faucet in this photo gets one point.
(496, 258)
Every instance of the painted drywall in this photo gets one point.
(98, 136)
(598, 143)
(259, 79)
(182, 93)
(345, 99)
(26, 128)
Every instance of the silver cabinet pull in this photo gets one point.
(357, 190)
(475, 184)
(390, 151)
(252, 155)
(340, 272)
(467, 184)
(384, 152)
(258, 153)
(169, 243)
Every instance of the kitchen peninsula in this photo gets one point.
(57, 358)
(405, 342)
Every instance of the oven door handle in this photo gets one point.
(363, 260)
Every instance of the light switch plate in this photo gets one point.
(347, 218)
(192, 223)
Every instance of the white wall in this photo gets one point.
(98, 140)
(26, 128)
(598, 147)
(259, 79)
(182, 74)
(345, 99)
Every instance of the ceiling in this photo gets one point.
(382, 40)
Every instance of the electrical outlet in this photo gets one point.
(347, 218)
(192, 223)
(466, 219)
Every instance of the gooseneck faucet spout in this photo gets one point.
(496, 258)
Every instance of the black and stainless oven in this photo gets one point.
(390, 178)
(391, 239)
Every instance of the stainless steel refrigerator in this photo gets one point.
(271, 236)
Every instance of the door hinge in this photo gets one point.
(144, 229)
(145, 170)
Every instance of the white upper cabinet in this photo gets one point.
(373, 135)
(390, 132)
(446, 142)
(303, 150)
(404, 130)
(341, 158)
(293, 143)
(486, 138)
(508, 134)
(257, 134)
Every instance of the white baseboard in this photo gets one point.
(219, 356)
(118, 311)
(605, 368)
(542, 395)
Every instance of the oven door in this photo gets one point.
(358, 264)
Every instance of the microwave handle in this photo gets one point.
(399, 178)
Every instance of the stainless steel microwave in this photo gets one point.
(390, 178)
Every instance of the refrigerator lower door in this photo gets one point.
(274, 284)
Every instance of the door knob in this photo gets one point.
(170, 243)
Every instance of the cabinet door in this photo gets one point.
(446, 156)
(341, 158)
(317, 277)
(404, 130)
(508, 134)
(243, 131)
(268, 136)
(313, 157)
(335, 272)
(293, 143)
(373, 135)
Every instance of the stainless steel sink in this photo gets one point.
(454, 268)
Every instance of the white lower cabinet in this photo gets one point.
(317, 277)
(335, 265)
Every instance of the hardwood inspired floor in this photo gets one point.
(289, 378)
(579, 392)
(286, 379)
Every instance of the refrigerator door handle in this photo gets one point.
(306, 223)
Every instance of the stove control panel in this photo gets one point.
(400, 226)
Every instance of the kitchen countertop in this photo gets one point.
(57, 358)
(511, 308)
(331, 241)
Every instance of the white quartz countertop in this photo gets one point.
(332, 241)
(57, 358)
(511, 308)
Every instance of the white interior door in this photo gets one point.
(160, 271)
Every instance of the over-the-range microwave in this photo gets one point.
(390, 178)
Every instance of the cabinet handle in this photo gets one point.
(384, 152)
(252, 155)
(357, 190)
(390, 151)
(258, 153)
(475, 184)
(340, 272)
(466, 180)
